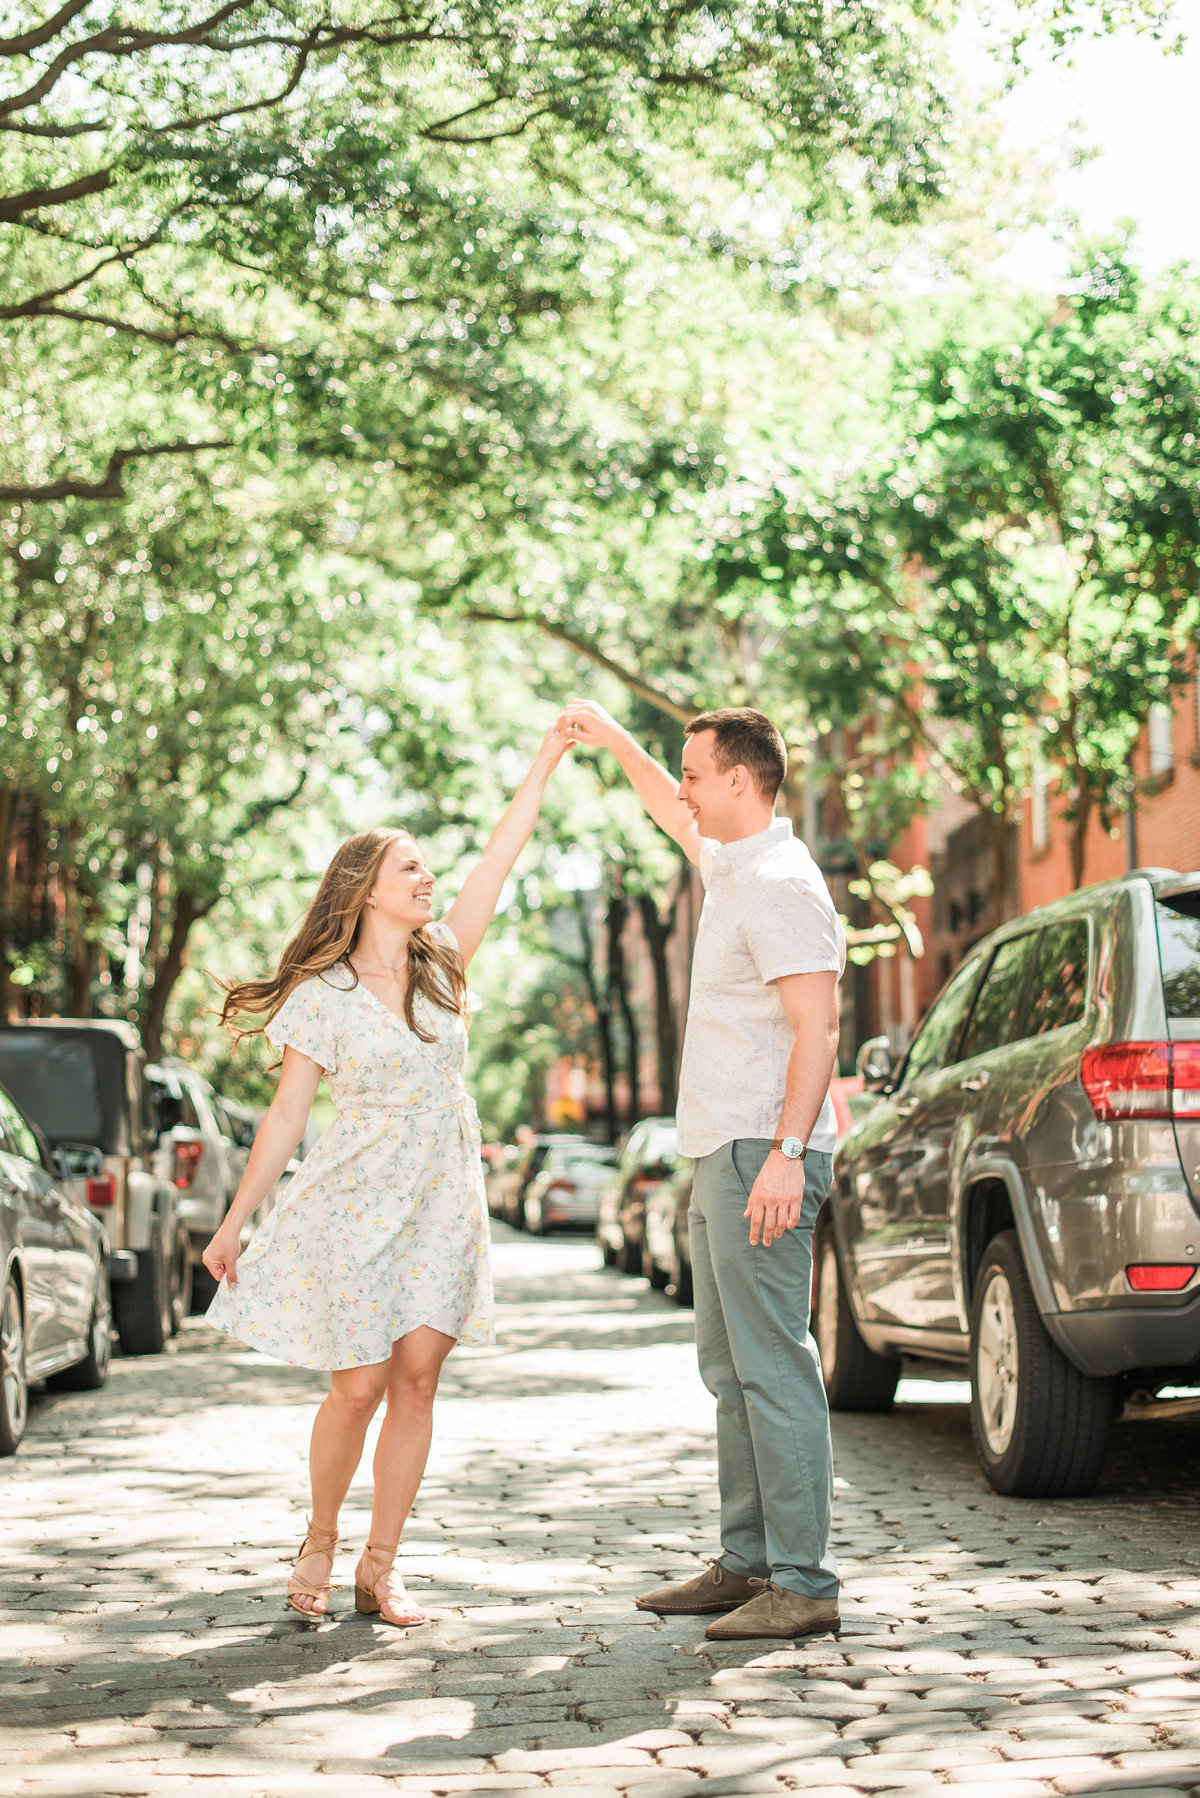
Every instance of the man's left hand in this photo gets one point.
(776, 1199)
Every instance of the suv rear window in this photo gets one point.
(1179, 950)
(1059, 992)
(69, 1086)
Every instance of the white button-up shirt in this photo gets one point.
(766, 913)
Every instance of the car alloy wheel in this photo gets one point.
(997, 1363)
(14, 1389)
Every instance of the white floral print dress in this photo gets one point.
(384, 1228)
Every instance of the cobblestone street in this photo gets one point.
(1011, 1648)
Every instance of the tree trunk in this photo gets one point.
(618, 983)
(81, 950)
(657, 927)
(1079, 831)
(602, 1014)
(168, 967)
(999, 835)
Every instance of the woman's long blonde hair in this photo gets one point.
(327, 936)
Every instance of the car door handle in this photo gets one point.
(975, 1083)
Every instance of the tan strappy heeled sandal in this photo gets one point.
(369, 1575)
(316, 1542)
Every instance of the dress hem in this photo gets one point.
(476, 1338)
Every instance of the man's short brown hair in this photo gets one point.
(745, 739)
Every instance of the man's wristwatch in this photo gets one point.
(790, 1147)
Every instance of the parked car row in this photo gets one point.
(549, 1183)
(643, 1222)
(113, 1176)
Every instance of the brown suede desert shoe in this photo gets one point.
(773, 1611)
(716, 1589)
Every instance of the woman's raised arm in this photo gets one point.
(472, 911)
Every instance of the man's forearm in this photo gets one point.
(656, 789)
(810, 1069)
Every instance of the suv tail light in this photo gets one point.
(1143, 1080)
(101, 1190)
(187, 1160)
(1160, 1276)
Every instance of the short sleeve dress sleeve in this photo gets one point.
(304, 1022)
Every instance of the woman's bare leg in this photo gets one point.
(407, 1428)
(337, 1444)
(400, 1457)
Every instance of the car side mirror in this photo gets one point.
(78, 1161)
(874, 1065)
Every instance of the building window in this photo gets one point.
(1161, 741)
(1039, 807)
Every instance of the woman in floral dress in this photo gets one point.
(375, 1263)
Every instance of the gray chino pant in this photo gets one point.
(757, 1358)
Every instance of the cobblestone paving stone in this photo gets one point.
(1013, 1649)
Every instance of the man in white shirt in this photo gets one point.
(755, 1114)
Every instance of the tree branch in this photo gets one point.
(666, 702)
(41, 34)
(112, 485)
(14, 205)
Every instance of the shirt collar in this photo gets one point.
(750, 849)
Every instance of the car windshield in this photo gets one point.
(62, 1082)
(1179, 949)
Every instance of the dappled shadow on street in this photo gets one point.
(573, 1468)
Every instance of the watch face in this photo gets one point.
(792, 1147)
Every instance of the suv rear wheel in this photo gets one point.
(181, 1278)
(143, 1305)
(1040, 1426)
(856, 1378)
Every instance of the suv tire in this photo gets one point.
(143, 1305)
(90, 1374)
(14, 1387)
(181, 1278)
(856, 1378)
(1040, 1426)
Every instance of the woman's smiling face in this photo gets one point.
(403, 889)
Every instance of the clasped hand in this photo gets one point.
(776, 1199)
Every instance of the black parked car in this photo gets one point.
(666, 1244)
(647, 1156)
(55, 1314)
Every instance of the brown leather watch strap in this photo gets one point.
(778, 1143)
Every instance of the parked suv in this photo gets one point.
(84, 1084)
(1024, 1197)
(201, 1149)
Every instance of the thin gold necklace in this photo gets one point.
(366, 968)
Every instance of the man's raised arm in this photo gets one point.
(593, 728)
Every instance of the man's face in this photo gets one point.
(707, 792)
